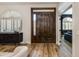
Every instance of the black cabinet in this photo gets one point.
(68, 36)
(11, 37)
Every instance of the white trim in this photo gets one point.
(44, 10)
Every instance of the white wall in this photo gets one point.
(25, 10)
(75, 30)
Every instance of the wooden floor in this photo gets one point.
(65, 49)
(35, 49)
(43, 50)
(7, 48)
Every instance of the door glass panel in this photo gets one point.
(34, 24)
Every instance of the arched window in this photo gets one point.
(10, 21)
(67, 23)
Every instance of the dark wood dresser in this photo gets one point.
(11, 37)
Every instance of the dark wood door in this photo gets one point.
(45, 28)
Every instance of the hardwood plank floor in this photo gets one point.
(45, 50)
(35, 49)
(65, 49)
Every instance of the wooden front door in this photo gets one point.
(45, 27)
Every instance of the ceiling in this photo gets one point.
(29, 2)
